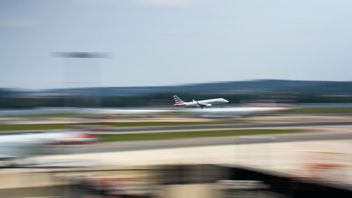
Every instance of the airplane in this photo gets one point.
(28, 144)
(199, 103)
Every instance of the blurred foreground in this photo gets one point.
(297, 152)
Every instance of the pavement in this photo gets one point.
(325, 160)
(314, 134)
(199, 127)
(322, 154)
(226, 126)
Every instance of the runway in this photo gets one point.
(190, 127)
(338, 130)
(194, 142)
(154, 129)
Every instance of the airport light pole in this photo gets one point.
(67, 56)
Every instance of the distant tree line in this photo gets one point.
(161, 99)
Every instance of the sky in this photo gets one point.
(170, 42)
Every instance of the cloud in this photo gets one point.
(17, 23)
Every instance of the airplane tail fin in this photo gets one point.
(178, 101)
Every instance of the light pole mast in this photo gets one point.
(67, 56)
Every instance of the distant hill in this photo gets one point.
(7, 92)
(241, 91)
(237, 87)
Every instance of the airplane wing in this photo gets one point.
(202, 104)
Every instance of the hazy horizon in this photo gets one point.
(166, 85)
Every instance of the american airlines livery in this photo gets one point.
(199, 103)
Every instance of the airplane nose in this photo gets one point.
(226, 101)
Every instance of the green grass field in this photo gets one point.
(54, 115)
(193, 134)
(23, 127)
(141, 124)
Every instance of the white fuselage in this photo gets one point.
(205, 103)
(26, 144)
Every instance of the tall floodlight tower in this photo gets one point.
(82, 70)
